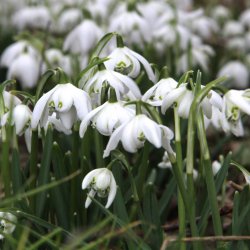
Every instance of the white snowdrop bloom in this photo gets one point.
(21, 117)
(233, 28)
(245, 18)
(205, 27)
(160, 40)
(200, 56)
(157, 93)
(184, 4)
(135, 29)
(68, 19)
(237, 72)
(66, 100)
(165, 163)
(128, 62)
(10, 100)
(234, 102)
(7, 223)
(220, 13)
(107, 117)
(122, 85)
(216, 166)
(237, 44)
(25, 68)
(183, 97)
(154, 10)
(32, 17)
(216, 120)
(102, 182)
(83, 38)
(133, 134)
(56, 58)
(14, 50)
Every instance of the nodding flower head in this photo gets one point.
(101, 182)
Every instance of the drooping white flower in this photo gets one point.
(220, 13)
(25, 68)
(245, 18)
(10, 100)
(235, 102)
(135, 28)
(102, 182)
(233, 28)
(216, 166)
(32, 17)
(66, 100)
(107, 117)
(127, 62)
(68, 19)
(183, 97)
(156, 94)
(205, 27)
(83, 38)
(237, 73)
(133, 134)
(7, 223)
(21, 118)
(237, 45)
(200, 56)
(165, 163)
(122, 85)
(56, 58)
(15, 50)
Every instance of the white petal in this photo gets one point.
(185, 104)
(112, 192)
(68, 118)
(27, 137)
(89, 177)
(151, 130)
(146, 65)
(90, 195)
(114, 140)
(40, 106)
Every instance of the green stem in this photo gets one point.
(181, 207)
(75, 184)
(5, 161)
(99, 149)
(33, 165)
(209, 178)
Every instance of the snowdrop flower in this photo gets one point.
(82, 38)
(220, 13)
(245, 18)
(233, 28)
(165, 163)
(133, 134)
(66, 100)
(183, 97)
(156, 94)
(10, 100)
(25, 68)
(122, 85)
(15, 50)
(216, 120)
(237, 44)
(200, 57)
(56, 59)
(184, 4)
(68, 19)
(127, 62)
(234, 102)
(32, 17)
(237, 72)
(205, 27)
(107, 117)
(102, 182)
(216, 166)
(135, 29)
(7, 223)
(21, 117)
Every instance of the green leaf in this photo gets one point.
(43, 177)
